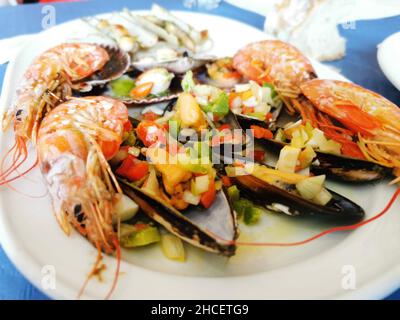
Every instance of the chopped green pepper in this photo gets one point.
(122, 86)
(240, 206)
(173, 128)
(136, 236)
(130, 139)
(233, 193)
(220, 106)
(280, 135)
(252, 215)
(188, 82)
(273, 91)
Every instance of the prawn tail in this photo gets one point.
(16, 156)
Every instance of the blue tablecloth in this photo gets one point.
(359, 65)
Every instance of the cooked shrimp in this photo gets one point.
(48, 80)
(370, 119)
(277, 63)
(74, 142)
(222, 73)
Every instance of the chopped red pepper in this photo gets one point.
(150, 116)
(127, 126)
(224, 126)
(133, 169)
(226, 181)
(259, 155)
(247, 110)
(208, 197)
(149, 133)
(268, 117)
(261, 133)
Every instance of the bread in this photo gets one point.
(311, 26)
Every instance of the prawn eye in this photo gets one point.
(18, 114)
(78, 213)
(77, 209)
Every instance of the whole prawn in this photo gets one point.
(277, 63)
(74, 142)
(48, 80)
(368, 118)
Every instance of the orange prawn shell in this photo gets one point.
(273, 61)
(70, 139)
(91, 58)
(109, 114)
(329, 95)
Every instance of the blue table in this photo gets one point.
(359, 65)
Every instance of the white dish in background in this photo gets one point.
(32, 239)
(388, 58)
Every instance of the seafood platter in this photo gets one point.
(145, 155)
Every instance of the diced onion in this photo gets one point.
(242, 87)
(288, 159)
(309, 188)
(125, 209)
(172, 247)
(191, 198)
(323, 197)
(201, 184)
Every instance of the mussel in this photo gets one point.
(336, 167)
(348, 169)
(339, 208)
(283, 198)
(213, 229)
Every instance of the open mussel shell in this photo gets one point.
(337, 167)
(116, 66)
(338, 209)
(211, 229)
(348, 169)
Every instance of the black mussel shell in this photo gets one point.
(338, 167)
(211, 229)
(348, 169)
(339, 208)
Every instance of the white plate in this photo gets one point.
(32, 238)
(388, 57)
